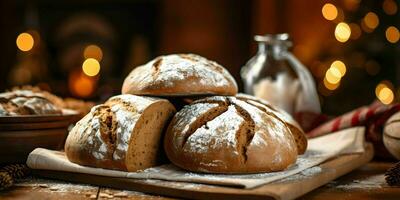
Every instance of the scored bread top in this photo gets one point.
(180, 75)
(227, 135)
(102, 137)
(295, 128)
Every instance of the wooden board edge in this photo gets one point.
(207, 192)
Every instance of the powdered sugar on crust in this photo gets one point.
(169, 69)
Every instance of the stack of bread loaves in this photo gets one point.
(222, 132)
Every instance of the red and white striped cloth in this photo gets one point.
(374, 114)
(373, 117)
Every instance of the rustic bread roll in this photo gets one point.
(26, 102)
(295, 129)
(391, 135)
(124, 133)
(227, 135)
(180, 75)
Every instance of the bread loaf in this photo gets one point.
(391, 135)
(295, 129)
(124, 133)
(228, 135)
(26, 102)
(180, 75)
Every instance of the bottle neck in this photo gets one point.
(272, 49)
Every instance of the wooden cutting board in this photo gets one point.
(285, 189)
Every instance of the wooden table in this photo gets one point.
(364, 183)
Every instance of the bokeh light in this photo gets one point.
(25, 42)
(91, 67)
(371, 20)
(81, 85)
(93, 51)
(342, 32)
(333, 75)
(331, 86)
(389, 7)
(340, 66)
(392, 34)
(384, 93)
(329, 11)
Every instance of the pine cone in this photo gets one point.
(16, 171)
(392, 175)
(6, 180)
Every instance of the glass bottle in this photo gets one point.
(275, 75)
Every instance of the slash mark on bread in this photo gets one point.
(202, 121)
(246, 132)
(108, 126)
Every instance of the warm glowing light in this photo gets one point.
(355, 31)
(340, 66)
(333, 75)
(329, 11)
(389, 7)
(392, 34)
(91, 67)
(371, 20)
(331, 86)
(25, 42)
(365, 27)
(342, 32)
(386, 95)
(378, 88)
(351, 5)
(93, 51)
(81, 85)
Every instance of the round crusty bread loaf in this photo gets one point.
(295, 128)
(124, 133)
(26, 102)
(227, 135)
(391, 135)
(180, 75)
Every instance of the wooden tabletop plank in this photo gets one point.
(35, 188)
(108, 193)
(367, 182)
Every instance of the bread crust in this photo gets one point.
(295, 128)
(227, 135)
(102, 138)
(26, 102)
(180, 75)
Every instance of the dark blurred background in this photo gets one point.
(84, 49)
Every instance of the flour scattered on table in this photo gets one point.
(55, 186)
(311, 171)
(372, 182)
(307, 173)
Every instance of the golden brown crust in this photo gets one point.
(226, 135)
(106, 136)
(26, 102)
(296, 130)
(180, 75)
